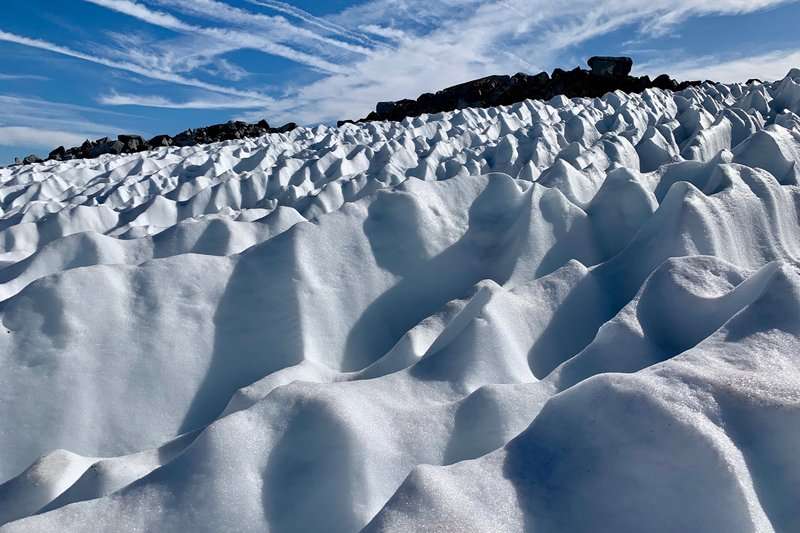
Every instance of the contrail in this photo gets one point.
(130, 67)
(307, 17)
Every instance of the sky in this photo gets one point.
(77, 69)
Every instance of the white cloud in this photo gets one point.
(319, 22)
(159, 101)
(25, 136)
(12, 77)
(22, 115)
(773, 65)
(437, 44)
(130, 67)
(416, 46)
(239, 39)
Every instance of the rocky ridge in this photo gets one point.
(607, 74)
(131, 144)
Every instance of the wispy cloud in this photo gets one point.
(130, 67)
(13, 77)
(771, 66)
(24, 136)
(436, 44)
(34, 123)
(238, 39)
(45, 114)
(276, 27)
(118, 99)
(376, 50)
(319, 22)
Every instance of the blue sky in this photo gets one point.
(73, 69)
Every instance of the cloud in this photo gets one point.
(319, 22)
(24, 136)
(379, 49)
(56, 116)
(773, 65)
(276, 28)
(130, 67)
(238, 39)
(117, 99)
(437, 44)
(12, 77)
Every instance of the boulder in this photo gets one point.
(29, 160)
(132, 143)
(610, 66)
(107, 147)
(289, 126)
(185, 138)
(665, 82)
(384, 108)
(57, 154)
(160, 140)
(608, 74)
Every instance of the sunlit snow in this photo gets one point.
(568, 316)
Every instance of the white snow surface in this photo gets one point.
(568, 316)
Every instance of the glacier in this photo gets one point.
(573, 315)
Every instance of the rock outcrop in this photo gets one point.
(129, 144)
(610, 66)
(607, 74)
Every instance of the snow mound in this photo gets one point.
(579, 315)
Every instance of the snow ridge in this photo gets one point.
(479, 320)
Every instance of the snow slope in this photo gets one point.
(579, 315)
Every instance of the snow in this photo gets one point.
(579, 315)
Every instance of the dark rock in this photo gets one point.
(28, 160)
(384, 108)
(159, 141)
(289, 126)
(57, 154)
(610, 66)
(608, 74)
(107, 147)
(85, 148)
(132, 143)
(665, 82)
(185, 138)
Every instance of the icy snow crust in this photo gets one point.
(580, 315)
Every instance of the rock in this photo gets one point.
(384, 108)
(132, 143)
(665, 82)
(160, 140)
(32, 158)
(185, 138)
(57, 154)
(608, 74)
(107, 147)
(289, 126)
(610, 66)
